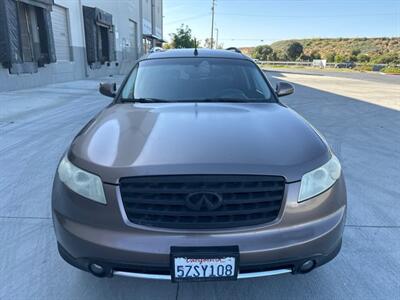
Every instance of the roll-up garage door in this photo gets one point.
(61, 33)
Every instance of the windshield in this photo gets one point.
(196, 80)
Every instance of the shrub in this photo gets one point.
(352, 58)
(364, 68)
(340, 58)
(363, 58)
(305, 57)
(315, 55)
(387, 58)
(391, 70)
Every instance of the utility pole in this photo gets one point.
(212, 24)
(216, 40)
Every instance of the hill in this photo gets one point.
(373, 48)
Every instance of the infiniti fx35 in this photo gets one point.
(197, 171)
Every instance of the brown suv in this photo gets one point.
(196, 171)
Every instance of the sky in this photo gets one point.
(253, 22)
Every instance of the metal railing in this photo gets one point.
(310, 63)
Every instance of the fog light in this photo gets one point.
(307, 266)
(97, 270)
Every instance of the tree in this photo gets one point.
(315, 55)
(330, 57)
(305, 57)
(207, 44)
(273, 56)
(167, 46)
(281, 55)
(262, 52)
(294, 50)
(219, 46)
(182, 38)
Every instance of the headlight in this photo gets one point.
(81, 182)
(319, 180)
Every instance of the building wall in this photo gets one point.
(124, 13)
(152, 19)
(147, 16)
(158, 19)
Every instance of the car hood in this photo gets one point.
(134, 139)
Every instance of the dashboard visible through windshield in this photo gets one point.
(196, 80)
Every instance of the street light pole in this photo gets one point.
(212, 24)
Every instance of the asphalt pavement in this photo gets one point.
(365, 76)
(37, 125)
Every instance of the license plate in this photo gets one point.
(204, 263)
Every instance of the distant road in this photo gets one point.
(374, 77)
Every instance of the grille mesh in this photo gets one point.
(159, 201)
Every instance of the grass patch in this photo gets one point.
(285, 67)
(364, 68)
(391, 70)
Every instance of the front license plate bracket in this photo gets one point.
(207, 253)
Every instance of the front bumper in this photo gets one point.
(88, 232)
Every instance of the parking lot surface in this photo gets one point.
(359, 118)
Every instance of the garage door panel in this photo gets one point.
(61, 33)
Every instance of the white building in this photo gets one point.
(48, 41)
(152, 24)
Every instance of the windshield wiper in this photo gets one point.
(145, 100)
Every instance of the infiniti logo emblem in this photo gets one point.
(204, 201)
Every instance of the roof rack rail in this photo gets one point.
(233, 49)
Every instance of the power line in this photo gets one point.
(308, 16)
(188, 18)
(245, 39)
(282, 16)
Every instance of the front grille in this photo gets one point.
(161, 201)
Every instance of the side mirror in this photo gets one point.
(284, 89)
(108, 89)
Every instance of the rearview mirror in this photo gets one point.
(284, 89)
(108, 89)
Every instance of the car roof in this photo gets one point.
(201, 52)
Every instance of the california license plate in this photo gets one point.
(204, 263)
